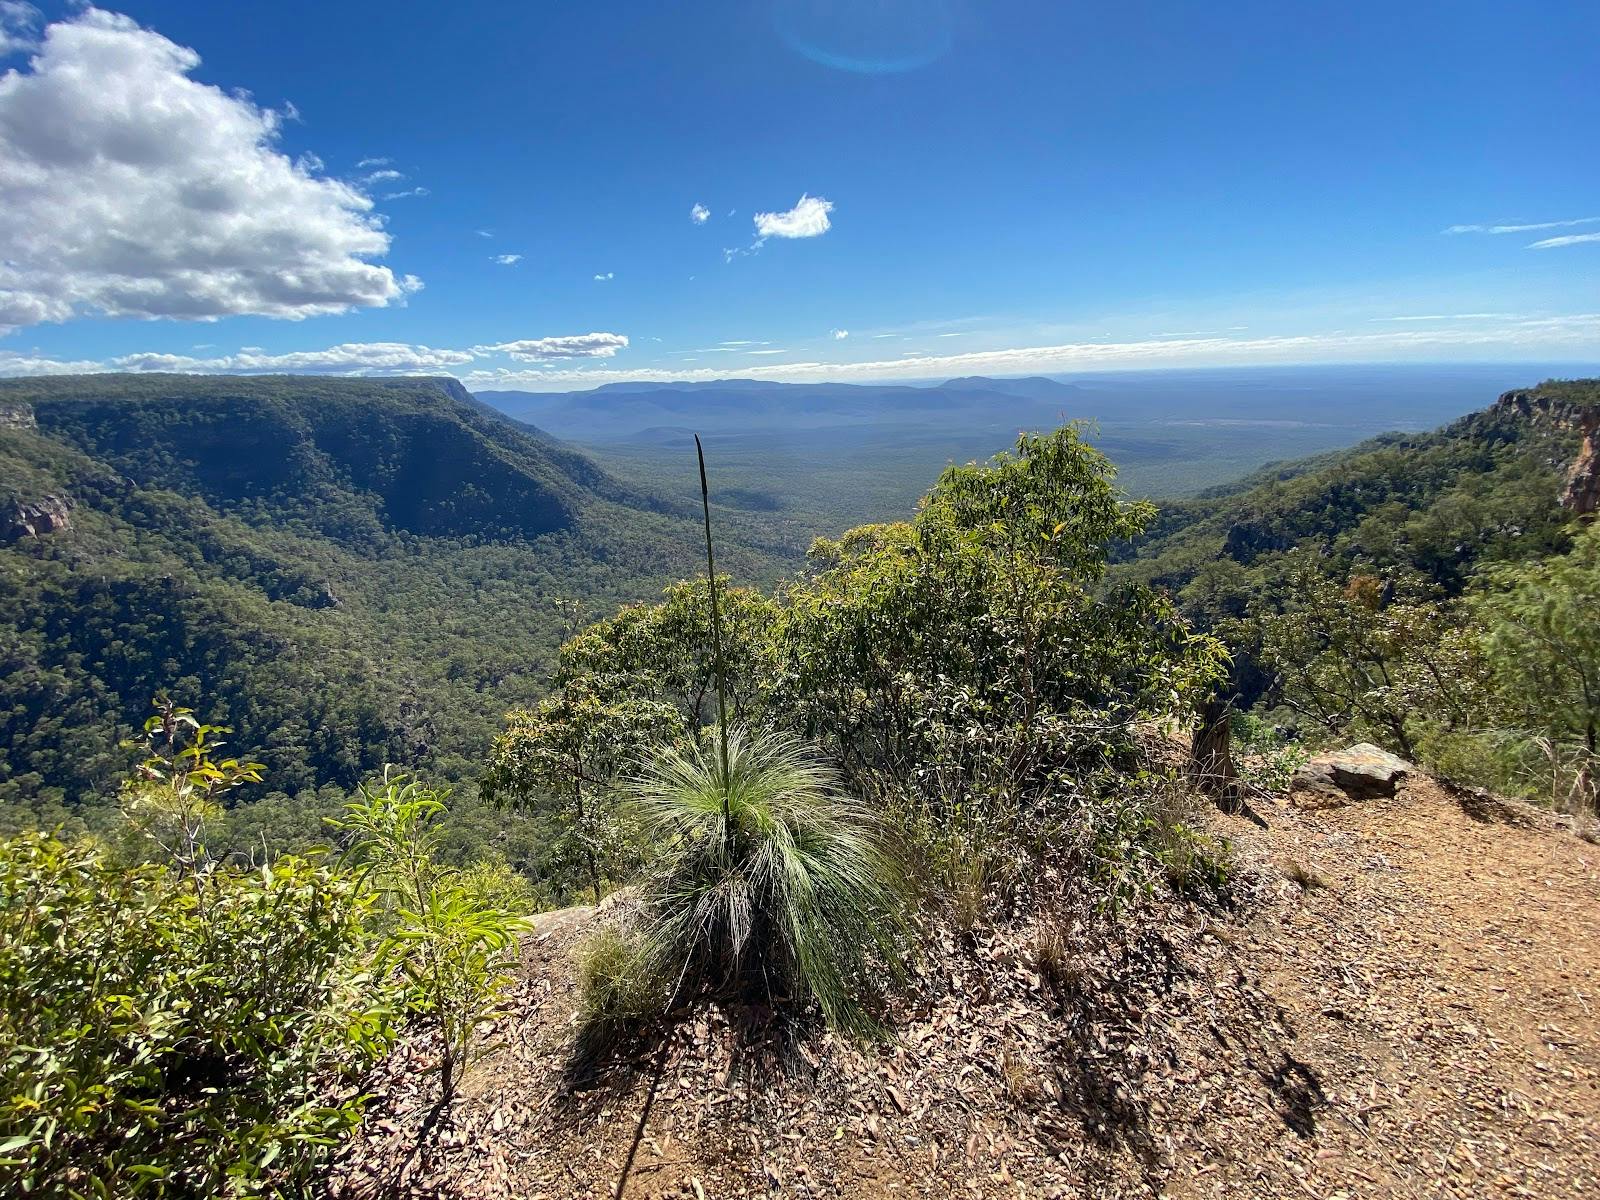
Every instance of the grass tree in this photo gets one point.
(768, 880)
(772, 881)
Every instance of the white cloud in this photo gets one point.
(416, 191)
(838, 335)
(550, 349)
(15, 364)
(18, 25)
(699, 214)
(484, 233)
(1532, 227)
(508, 260)
(387, 173)
(808, 218)
(609, 275)
(1535, 336)
(1571, 239)
(1453, 317)
(373, 162)
(352, 358)
(129, 189)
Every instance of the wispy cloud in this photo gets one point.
(606, 277)
(19, 26)
(507, 260)
(1571, 239)
(807, 219)
(699, 214)
(416, 191)
(387, 175)
(1524, 227)
(1456, 317)
(838, 335)
(365, 163)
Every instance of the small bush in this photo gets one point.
(1053, 959)
(169, 1033)
(618, 985)
(448, 940)
(1304, 877)
(1266, 759)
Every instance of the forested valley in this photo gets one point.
(339, 751)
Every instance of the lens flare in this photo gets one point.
(869, 37)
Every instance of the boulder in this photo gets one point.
(1361, 772)
(49, 514)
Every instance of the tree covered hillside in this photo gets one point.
(1431, 592)
(355, 572)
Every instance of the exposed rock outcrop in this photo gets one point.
(16, 416)
(1361, 772)
(35, 518)
(1574, 406)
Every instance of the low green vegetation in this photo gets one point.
(770, 881)
(200, 1025)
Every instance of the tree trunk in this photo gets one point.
(1211, 754)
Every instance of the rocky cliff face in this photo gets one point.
(1574, 406)
(35, 518)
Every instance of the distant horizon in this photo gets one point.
(617, 192)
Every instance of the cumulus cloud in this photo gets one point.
(18, 24)
(351, 358)
(551, 349)
(129, 189)
(838, 335)
(808, 218)
(699, 214)
(508, 260)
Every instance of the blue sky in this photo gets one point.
(997, 187)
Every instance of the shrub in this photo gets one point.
(450, 942)
(167, 1033)
(617, 983)
(1266, 759)
(769, 879)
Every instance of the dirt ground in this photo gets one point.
(1404, 1001)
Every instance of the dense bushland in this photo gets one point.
(199, 1026)
(1423, 592)
(349, 572)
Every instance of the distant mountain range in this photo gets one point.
(620, 411)
(1363, 400)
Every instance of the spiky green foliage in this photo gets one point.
(795, 895)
